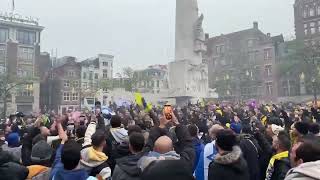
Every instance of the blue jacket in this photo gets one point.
(206, 157)
(59, 173)
(198, 147)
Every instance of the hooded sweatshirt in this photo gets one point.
(229, 166)
(119, 134)
(155, 156)
(127, 168)
(305, 171)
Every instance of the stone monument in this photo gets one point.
(188, 75)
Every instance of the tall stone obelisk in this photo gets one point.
(188, 76)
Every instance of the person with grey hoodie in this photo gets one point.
(305, 158)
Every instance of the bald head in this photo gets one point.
(163, 145)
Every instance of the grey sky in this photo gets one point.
(141, 32)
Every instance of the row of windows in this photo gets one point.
(106, 64)
(26, 37)
(311, 28)
(23, 37)
(68, 96)
(25, 54)
(96, 75)
(311, 11)
(68, 83)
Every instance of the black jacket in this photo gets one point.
(251, 150)
(281, 167)
(265, 155)
(127, 168)
(10, 169)
(230, 166)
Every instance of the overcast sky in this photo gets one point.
(141, 32)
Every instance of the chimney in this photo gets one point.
(255, 25)
(268, 34)
(206, 36)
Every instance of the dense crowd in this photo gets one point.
(202, 142)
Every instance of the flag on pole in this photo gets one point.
(138, 98)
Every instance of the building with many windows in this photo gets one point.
(307, 20)
(95, 73)
(242, 65)
(19, 58)
(153, 79)
(66, 86)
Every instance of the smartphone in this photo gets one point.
(168, 111)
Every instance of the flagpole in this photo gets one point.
(13, 6)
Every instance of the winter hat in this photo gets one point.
(41, 151)
(302, 127)
(167, 169)
(276, 129)
(236, 127)
(13, 140)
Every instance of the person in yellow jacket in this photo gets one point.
(40, 158)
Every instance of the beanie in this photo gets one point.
(41, 151)
(226, 139)
(236, 127)
(302, 127)
(13, 140)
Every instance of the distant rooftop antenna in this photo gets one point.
(12, 6)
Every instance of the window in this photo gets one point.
(267, 54)
(220, 49)
(311, 12)
(313, 27)
(75, 96)
(158, 83)
(268, 70)
(250, 43)
(269, 88)
(111, 64)
(84, 75)
(70, 74)
(75, 84)
(305, 13)
(66, 96)
(91, 75)
(305, 29)
(2, 57)
(96, 76)
(3, 35)
(318, 10)
(26, 37)
(105, 73)
(26, 90)
(85, 85)
(66, 83)
(25, 54)
(104, 63)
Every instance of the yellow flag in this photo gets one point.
(138, 98)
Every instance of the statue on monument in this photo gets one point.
(199, 33)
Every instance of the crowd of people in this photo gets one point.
(202, 142)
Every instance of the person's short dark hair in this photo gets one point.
(98, 138)
(193, 130)
(309, 150)
(314, 128)
(284, 140)
(115, 121)
(302, 127)
(70, 155)
(134, 128)
(226, 139)
(136, 141)
(274, 120)
(246, 129)
(81, 131)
